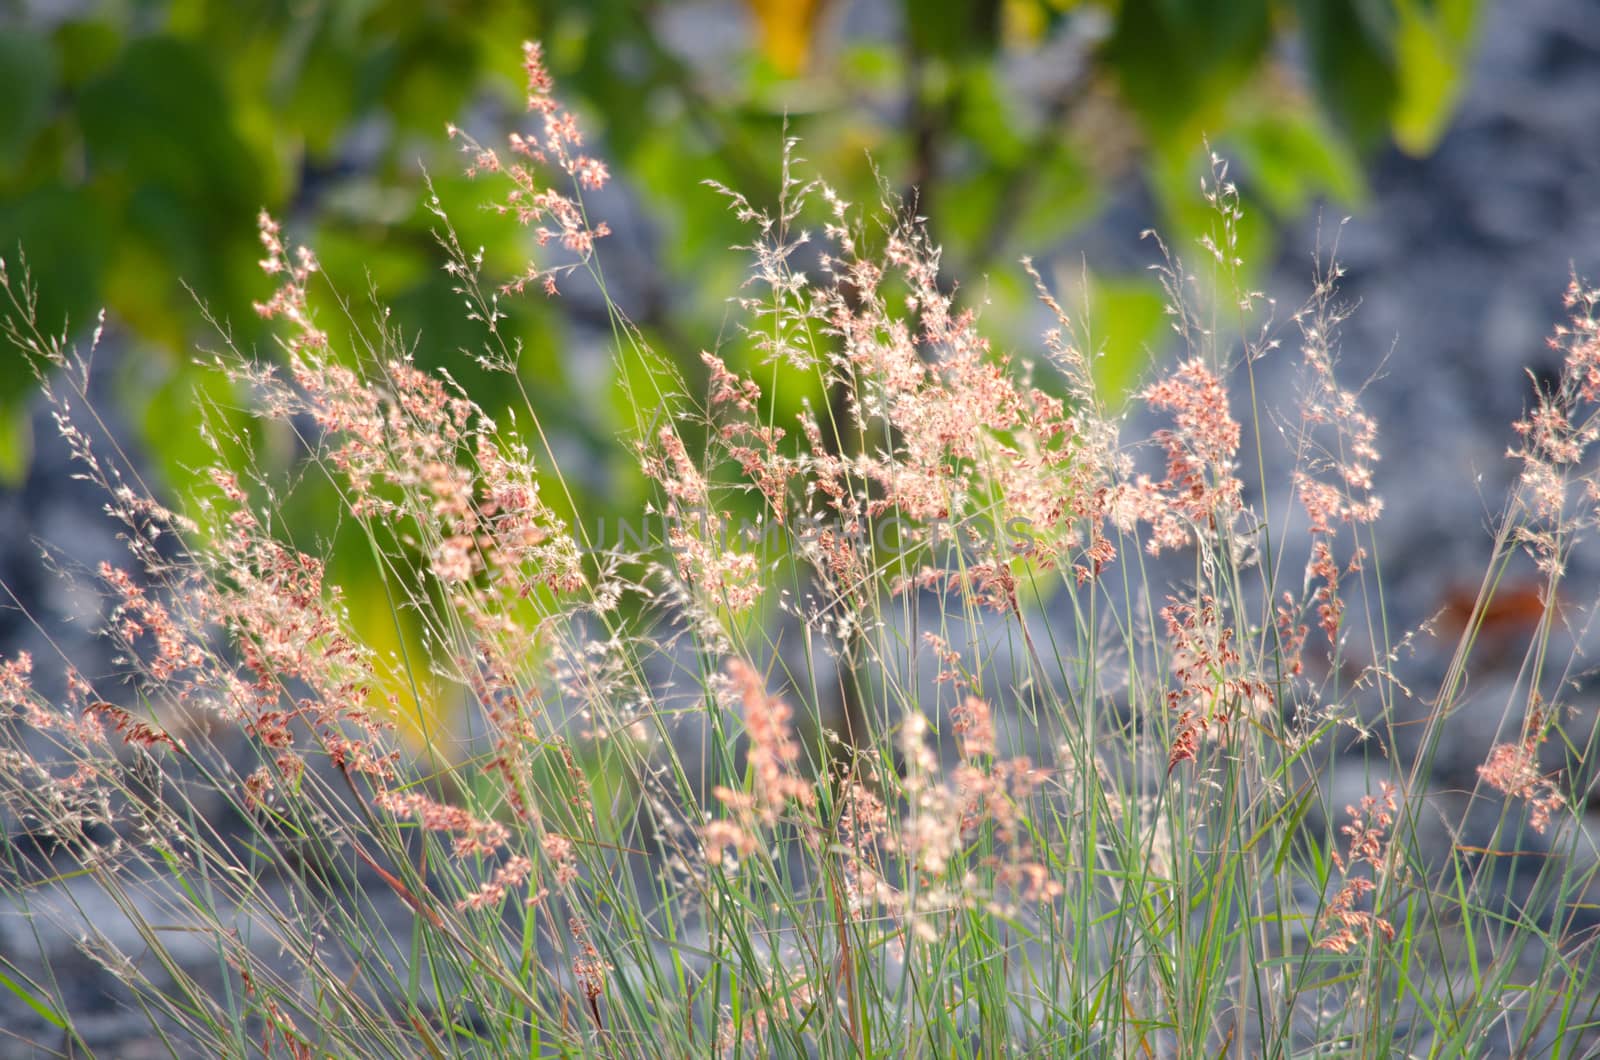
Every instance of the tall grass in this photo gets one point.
(942, 721)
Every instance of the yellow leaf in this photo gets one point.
(786, 28)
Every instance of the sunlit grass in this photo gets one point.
(945, 720)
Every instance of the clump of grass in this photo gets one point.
(1003, 733)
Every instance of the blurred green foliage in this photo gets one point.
(139, 138)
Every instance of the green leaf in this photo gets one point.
(1127, 315)
(28, 76)
(1290, 156)
(180, 185)
(1350, 46)
(1291, 828)
(85, 48)
(988, 118)
(162, 115)
(61, 233)
(1432, 48)
(16, 444)
(1064, 194)
(1175, 176)
(961, 29)
(1178, 61)
(171, 417)
(44, 1010)
(424, 68)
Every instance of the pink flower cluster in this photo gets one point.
(553, 215)
(1342, 925)
(1513, 769)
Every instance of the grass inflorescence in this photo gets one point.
(942, 719)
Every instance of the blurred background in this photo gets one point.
(138, 140)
